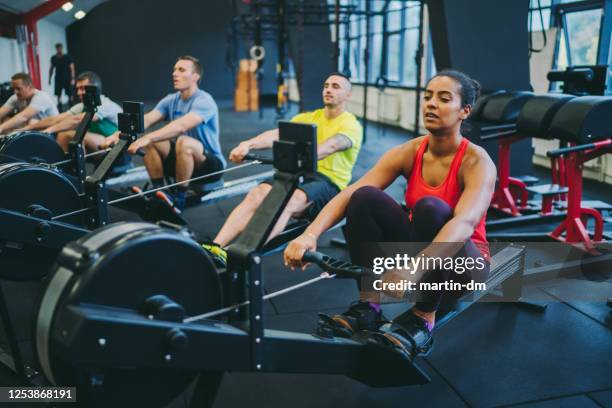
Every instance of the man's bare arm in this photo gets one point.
(19, 120)
(151, 118)
(264, 140)
(332, 145)
(175, 128)
(47, 122)
(4, 110)
(69, 122)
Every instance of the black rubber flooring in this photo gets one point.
(494, 355)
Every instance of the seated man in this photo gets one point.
(30, 104)
(339, 137)
(188, 146)
(104, 122)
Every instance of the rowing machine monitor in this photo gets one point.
(91, 99)
(131, 121)
(295, 151)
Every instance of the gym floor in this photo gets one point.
(493, 355)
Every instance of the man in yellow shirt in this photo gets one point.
(339, 137)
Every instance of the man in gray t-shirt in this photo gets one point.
(103, 124)
(188, 145)
(30, 104)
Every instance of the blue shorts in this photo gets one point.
(319, 190)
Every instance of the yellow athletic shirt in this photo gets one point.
(337, 166)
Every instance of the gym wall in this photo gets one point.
(498, 59)
(11, 60)
(135, 55)
(541, 62)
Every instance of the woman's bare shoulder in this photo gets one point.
(475, 154)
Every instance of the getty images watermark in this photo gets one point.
(421, 270)
(404, 272)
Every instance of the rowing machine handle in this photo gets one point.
(139, 152)
(342, 269)
(263, 159)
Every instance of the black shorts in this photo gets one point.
(66, 86)
(211, 164)
(319, 190)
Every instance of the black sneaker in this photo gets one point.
(408, 334)
(360, 316)
(174, 198)
(168, 200)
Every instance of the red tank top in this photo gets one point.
(449, 191)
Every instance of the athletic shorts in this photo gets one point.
(211, 164)
(319, 190)
(103, 127)
(66, 86)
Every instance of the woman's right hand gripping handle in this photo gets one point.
(295, 250)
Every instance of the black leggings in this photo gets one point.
(372, 216)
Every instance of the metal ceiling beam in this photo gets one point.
(43, 10)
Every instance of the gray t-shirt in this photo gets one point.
(202, 104)
(41, 101)
(107, 110)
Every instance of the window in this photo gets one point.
(562, 61)
(583, 36)
(410, 50)
(376, 47)
(394, 29)
(394, 63)
(578, 36)
(578, 39)
(539, 15)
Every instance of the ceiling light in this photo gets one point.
(67, 6)
(79, 14)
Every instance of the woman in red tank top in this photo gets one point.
(450, 185)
